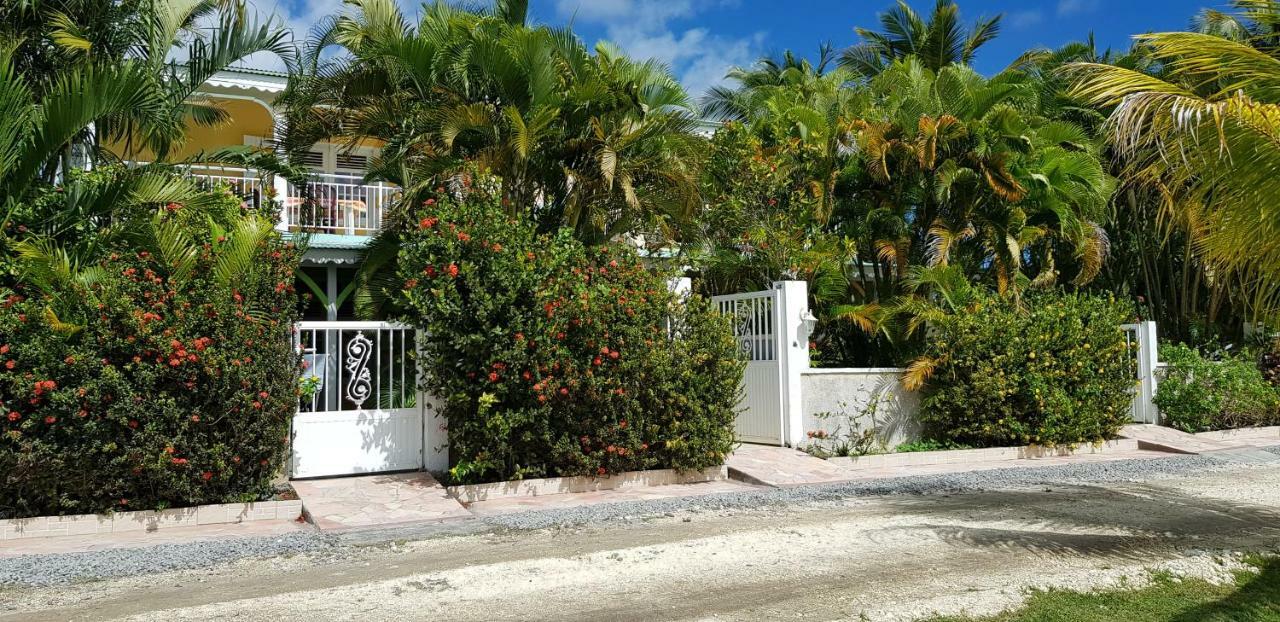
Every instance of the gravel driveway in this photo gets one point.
(961, 542)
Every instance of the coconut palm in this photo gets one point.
(937, 41)
(1204, 133)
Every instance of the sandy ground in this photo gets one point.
(886, 558)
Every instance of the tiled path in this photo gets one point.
(781, 466)
(1169, 439)
(864, 473)
(375, 501)
(133, 539)
(372, 501)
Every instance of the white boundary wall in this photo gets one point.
(873, 398)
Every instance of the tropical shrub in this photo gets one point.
(158, 374)
(1198, 394)
(555, 360)
(1049, 369)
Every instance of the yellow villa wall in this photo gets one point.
(247, 119)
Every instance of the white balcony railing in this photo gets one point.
(332, 202)
(244, 182)
(337, 203)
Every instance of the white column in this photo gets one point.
(279, 184)
(793, 347)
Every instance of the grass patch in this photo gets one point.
(1255, 597)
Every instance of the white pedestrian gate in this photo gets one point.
(757, 325)
(363, 413)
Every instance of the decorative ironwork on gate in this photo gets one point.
(753, 323)
(356, 366)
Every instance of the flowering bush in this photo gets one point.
(1051, 369)
(137, 385)
(555, 360)
(1197, 394)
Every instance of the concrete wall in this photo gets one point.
(871, 398)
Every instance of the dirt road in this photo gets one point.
(887, 558)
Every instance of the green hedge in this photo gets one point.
(557, 360)
(1050, 369)
(1198, 395)
(135, 388)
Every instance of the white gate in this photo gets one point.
(360, 411)
(1143, 358)
(758, 328)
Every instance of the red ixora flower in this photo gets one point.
(51, 420)
(179, 461)
(493, 376)
(463, 236)
(453, 270)
(428, 223)
(14, 416)
(429, 202)
(206, 476)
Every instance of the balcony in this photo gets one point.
(244, 182)
(337, 203)
(333, 203)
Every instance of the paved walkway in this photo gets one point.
(1168, 439)
(781, 466)
(386, 500)
(134, 539)
(372, 501)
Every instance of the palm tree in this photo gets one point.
(938, 41)
(725, 103)
(160, 39)
(592, 141)
(100, 91)
(1204, 134)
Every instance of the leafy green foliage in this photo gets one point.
(1050, 369)
(928, 445)
(1198, 394)
(555, 360)
(582, 138)
(147, 376)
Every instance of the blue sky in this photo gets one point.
(702, 39)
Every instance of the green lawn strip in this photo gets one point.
(1255, 597)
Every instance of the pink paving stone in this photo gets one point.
(139, 538)
(1168, 439)
(372, 501)
(781, 466)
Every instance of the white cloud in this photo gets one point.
(644, 29)
(1020, 20)
(1074, 7)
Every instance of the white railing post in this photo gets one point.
(793, 349)
(281, 187)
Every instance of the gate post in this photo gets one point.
(1148, 359)
(792, 335)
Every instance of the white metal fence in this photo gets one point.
(338, 203)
